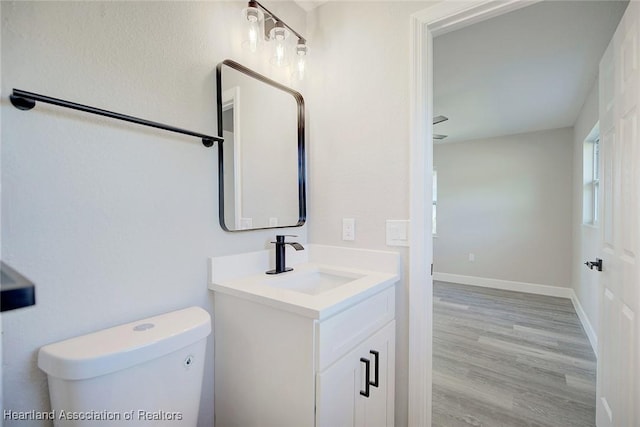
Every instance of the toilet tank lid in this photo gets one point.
(123, 346)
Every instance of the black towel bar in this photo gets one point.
(24, 100)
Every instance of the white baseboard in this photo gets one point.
(588, 329)
(531, 288)
(507, 285)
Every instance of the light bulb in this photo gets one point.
(279, 53)
(301, 60)
(278, 35)
(251, 23)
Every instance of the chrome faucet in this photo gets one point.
(281, 265)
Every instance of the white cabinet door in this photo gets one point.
(379, 407)
(337, 400)
(618, 391)
(341, 390)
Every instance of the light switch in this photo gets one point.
(273, 222)
(246, 223)
(397, 232)
(348, 229)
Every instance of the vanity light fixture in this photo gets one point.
(276, 32)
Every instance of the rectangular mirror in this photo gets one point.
(261, 163)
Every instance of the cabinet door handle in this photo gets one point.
(367, 370)
(376, 368)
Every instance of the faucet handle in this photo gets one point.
(280, 237)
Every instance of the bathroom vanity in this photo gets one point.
(310, 347)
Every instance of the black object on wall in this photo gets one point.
(24, 100)
(16, 290)
(302, 210)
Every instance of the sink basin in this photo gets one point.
(325, 279)
(313, 282)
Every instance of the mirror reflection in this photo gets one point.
(261, 161)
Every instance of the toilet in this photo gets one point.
(144, 373)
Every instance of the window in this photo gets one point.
(591, 178)
(435, 202)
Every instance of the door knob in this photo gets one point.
(597, 264)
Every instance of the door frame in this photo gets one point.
(435, 20)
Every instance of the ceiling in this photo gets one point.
(527, 70)
(309, 5)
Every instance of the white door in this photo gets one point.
(618, 391)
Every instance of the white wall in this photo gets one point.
(113, 222)
(508, 201)
(359, 144)
(586, 238)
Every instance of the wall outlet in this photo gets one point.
(348, 229)
(472, 257)
(273, 222)
(246, 223)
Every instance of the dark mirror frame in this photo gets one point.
(302, 209)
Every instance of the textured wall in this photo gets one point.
(359, 148)
(113, 222)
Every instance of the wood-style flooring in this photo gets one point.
(509, 359)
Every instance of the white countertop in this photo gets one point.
(255, 286)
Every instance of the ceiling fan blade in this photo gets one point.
(439, 119)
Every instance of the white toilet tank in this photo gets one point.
(144, 373)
